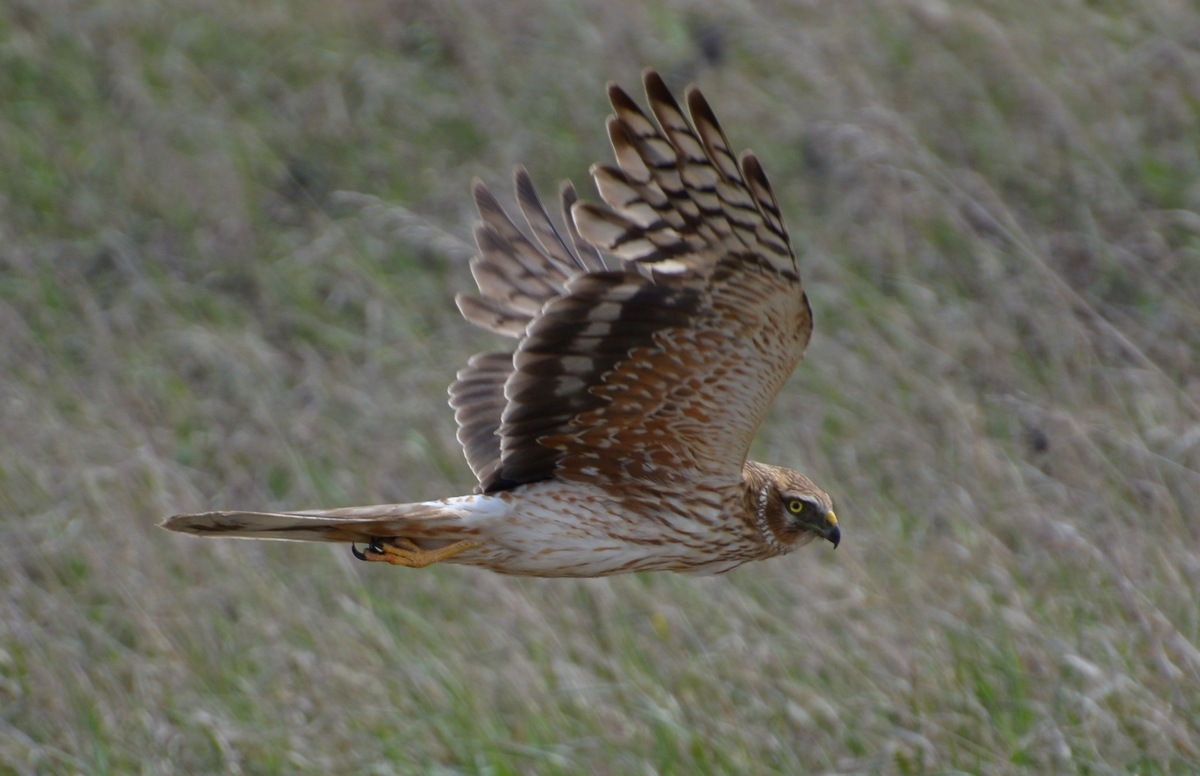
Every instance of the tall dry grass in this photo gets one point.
(1001, 215)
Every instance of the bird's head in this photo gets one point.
(790, 510)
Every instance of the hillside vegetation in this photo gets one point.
(230, 235)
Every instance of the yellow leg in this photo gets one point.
(404, 552)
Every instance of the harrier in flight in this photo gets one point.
(614, 438)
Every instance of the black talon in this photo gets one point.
(375, 547)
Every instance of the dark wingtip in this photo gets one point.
(485, 201)
(653, 82)
(523, 184)
(621, 101)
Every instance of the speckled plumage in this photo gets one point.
(615, 438)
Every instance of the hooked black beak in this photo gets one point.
(833, 533)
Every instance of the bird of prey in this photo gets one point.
(652, 335)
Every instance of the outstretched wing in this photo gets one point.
(516, 278)
(657, 374)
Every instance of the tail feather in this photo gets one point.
(351, 524)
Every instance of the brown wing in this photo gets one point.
(629, 377)
(516, 278)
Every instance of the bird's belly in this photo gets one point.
(549, 533)
(589, 559)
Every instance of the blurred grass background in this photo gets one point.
(1001, 219)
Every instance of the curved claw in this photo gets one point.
(374, 547)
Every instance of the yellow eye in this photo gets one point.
(795, 506)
